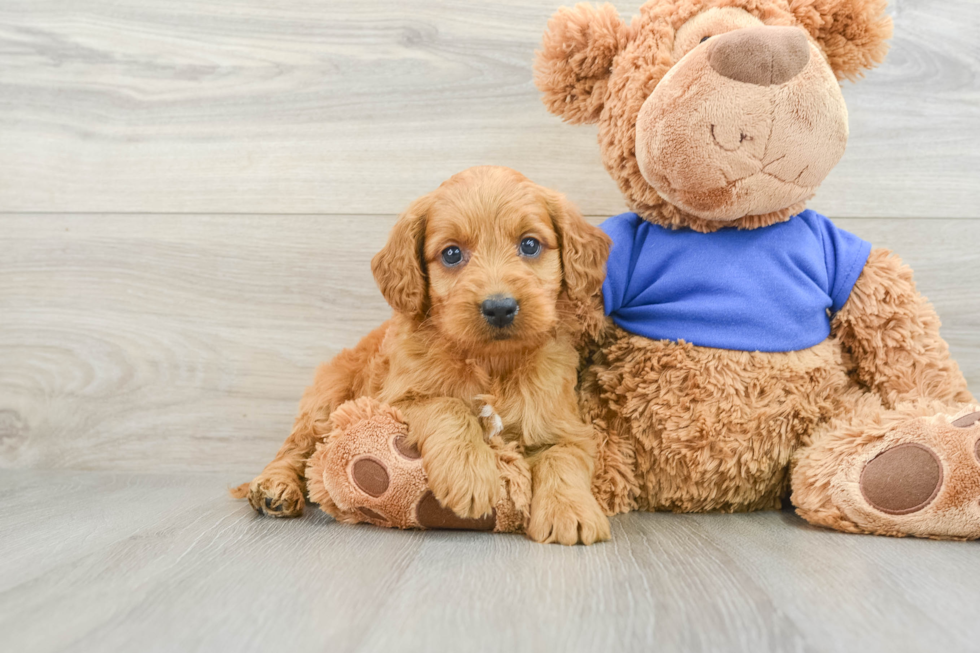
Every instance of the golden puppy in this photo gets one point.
(484, 275)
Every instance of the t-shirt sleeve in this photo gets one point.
(845, 255)
(622, 230)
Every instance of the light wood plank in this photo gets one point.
(207, 574)
(74, 515)
(173, 329)
(176, 343)
(358, 106)
(859, 591)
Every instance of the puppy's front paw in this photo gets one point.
(467, 482)
(279, 494)
(567, 519)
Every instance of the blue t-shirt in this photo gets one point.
(767, 289)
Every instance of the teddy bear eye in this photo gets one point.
(705, 39)
(530, 247)
(452, 255)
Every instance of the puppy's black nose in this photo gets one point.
(499, 310)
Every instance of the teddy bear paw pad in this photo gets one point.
(370, 476)
(405, 448)
(432, 514)
(923, 479)
(374, 515)
(903, 479)
(967, 421)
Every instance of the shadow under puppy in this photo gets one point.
(487, 277)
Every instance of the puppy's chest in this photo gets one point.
(524, 400)
(511, 412)
(500, 400)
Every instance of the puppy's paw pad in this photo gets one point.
(276, 497)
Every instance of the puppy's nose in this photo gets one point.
(760, 55)
(499, 310)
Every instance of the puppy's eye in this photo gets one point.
(705, 39)
(530, 247)
(452, 256)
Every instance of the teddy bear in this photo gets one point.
(755, 350)
(746, 351)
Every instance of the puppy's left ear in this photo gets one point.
(584, 249)
(399, 268)
(852, 33)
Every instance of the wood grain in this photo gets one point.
(172, 343)
(122, 562)
(357, 106)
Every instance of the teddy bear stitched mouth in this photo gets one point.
(744, 137)
(762, 167)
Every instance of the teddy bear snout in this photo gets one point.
(765, 56)
(747, 124)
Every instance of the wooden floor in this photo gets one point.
(190, 195)
(96, 561)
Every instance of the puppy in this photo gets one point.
(486, 276)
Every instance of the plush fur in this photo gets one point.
(691, 121)
(440, 365)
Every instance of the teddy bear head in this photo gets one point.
(713, 113)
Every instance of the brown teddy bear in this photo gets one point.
(752, 347)
(755, 347)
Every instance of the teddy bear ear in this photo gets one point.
(852, 33)
(575, 59)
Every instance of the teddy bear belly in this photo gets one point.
(714, 429)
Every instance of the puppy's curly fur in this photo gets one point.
(438, 353)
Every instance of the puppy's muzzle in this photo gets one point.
(499, 310)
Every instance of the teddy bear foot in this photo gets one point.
(366, 471)
(922, 478)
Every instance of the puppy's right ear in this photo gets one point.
(584, 249)
(399, 268)
(574, 62)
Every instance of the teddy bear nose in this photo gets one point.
(760, 55)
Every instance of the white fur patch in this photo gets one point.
(496, 424)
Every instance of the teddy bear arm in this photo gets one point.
(892, 335)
